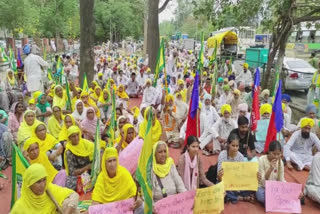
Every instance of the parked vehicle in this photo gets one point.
(299, 74)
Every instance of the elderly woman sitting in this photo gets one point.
(77, 156)
(165, 178)
(114, 182)
(35, 197)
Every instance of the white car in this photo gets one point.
(299, 74)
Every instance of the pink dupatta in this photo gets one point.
(190, 180)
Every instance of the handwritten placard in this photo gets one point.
(129, 157)
(283, 197)
(123, 207)
(176, 204)
(240, 175)
(209, 200)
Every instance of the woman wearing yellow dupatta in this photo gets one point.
(96, 95)
(92, 86)
(35, 154)
(60, 97)
(114, 182)
(28, 124)
(35, 199)
(88, 102)
(104, 104)
(156, 126)
(55, 122)
(48, 143)
(127, 135)
(67, 122)
(77, 156)
(123, 96)
(165, 178)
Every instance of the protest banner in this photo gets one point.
(123, 207)
(283, 197)
(209, 200)
(240, 176)
(176, 204)
(129, 157)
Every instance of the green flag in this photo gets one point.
(113, 120)
(85, 86)
(13, 63)
(3, 55)
(161, 63)
(95, 167)
(69, 106)
(144, 169)
(201, 55)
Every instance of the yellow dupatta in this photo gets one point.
(102, 100)
(125, 131)
(63, 136)
(156, 128)
(60, 101)
(31, 203)
(48, 143)
(94, 95)
(118, 188)
(161, 170)
(25, 131)
(122, 94)
(84, 148)
(12, 80)
(54, 126)
(41, 159)
(135, 110)
(316, 78)
(90, 102)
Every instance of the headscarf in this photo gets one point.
(59, 101)
(236, 91)
(311, 108)
(122, 94)
(48, 143)
(125, 129)
(180, 82)
(36, 95)
(90, 102)
(89, 125)
(118, 188)
(76, 114)
(286, 97)
(265, 92)
(31, 101)
(161, 170)
(26, 49)
(265, 108)
(12, 80)
(31, 203)
(135, 111)
(63, 136)
(54, 125)
(224, 108)
(25, 131)
(41, 159)
(104, 101)
(95, 95)
(306, 122)
(156, 129)
(84, 148)
(42, 107)
(226, 88)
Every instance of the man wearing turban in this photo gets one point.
(311, 112)
(33, 70)
(245, 76)
(217, 135)
(298, 149)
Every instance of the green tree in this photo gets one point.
(276, 16)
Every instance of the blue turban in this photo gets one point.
(286, 97)
(26, 49)
(311, 108)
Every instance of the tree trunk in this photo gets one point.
(145, 33)
(153, 41)
(86, 40)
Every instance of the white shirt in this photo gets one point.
(208, 117)
(122, 80)
(33, 71)
(245, 77)
(149, 97)
(132, 87)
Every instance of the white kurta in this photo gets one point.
(299, 150)
(245, 77)
(132, 87)
(208, 117)
(149, 97)
(32, 69)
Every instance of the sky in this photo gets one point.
(167, 14)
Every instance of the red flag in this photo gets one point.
(255, 114)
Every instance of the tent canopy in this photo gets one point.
(229, 37)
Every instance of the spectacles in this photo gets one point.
(90, 112)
